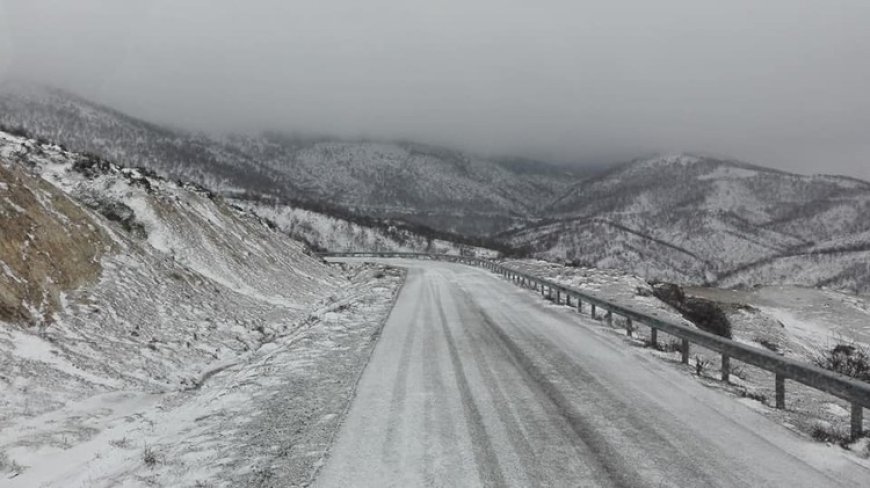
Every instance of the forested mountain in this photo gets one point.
(697, 219)
(683, 218)
(441, 188)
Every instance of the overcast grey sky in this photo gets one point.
(784, 83)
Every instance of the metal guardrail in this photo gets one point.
(857, 393)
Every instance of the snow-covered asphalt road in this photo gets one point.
(476, 382)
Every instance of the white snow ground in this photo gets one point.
(265, 418)
(212, 350)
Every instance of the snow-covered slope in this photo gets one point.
(144, 273)
(336, 234)
(433, 186)
(129, 301)
(694, 219)
(444, 189)
(679, 218)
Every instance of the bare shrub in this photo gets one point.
(8, 465)
(149, 457)
(707, 315)
(848, 358)
(753, 395)
(701, 365)
(673, 345)
(121, 443)
(739, 371)
(824, 432)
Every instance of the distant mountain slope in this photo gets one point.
(87, 127)
(697, 219)
(682, 218)
(440, 188)
(331, 233)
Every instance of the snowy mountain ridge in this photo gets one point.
(686, 218)
(437, 187)
(695, 219)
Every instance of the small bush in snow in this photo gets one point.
(122, 443)
(753, 395)
(673, 345)
(8, 465)
(739, 372)
(701, 365)
(149, 457)
(850, 359)
(825, 432)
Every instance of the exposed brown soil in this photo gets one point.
(48, 245)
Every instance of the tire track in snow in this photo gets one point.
(531, 466)
(486, 461)
(397, 402)
(603, 412)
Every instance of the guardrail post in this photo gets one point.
(579, 305)
(567, 299)
(593, 311)
(726, 367)
(857, 421)
(609, 317)
(780, 391)
(685, 351)
(558, 297)
(654, 337)
(629, 327)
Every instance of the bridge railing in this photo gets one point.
(856, 392)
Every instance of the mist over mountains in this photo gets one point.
(684, 218)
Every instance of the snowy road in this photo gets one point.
(476, 382)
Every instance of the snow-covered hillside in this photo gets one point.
(441, 188)
(694, 219)
(444, 189)
(148, 329)
(680, 218)
(337, 235)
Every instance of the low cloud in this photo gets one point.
(781, 83)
